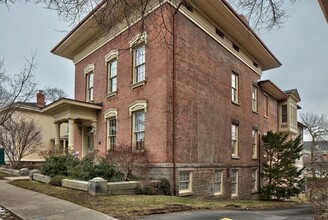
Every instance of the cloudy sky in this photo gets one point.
(301, 46)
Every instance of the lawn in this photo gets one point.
(3, 175)
(131, 206)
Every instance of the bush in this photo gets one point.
(155, 188)
(58, 165)
(56, 180)
(87, 169)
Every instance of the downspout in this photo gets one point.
(173, 101)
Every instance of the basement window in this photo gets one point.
(218, 32)
(235, 47)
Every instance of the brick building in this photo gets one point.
(187, 88)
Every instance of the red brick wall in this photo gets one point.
(158, 69)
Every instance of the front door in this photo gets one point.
(90, 138)
(2, 156)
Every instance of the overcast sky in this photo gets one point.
(301, 46)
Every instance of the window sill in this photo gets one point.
(235, 103)
(185, 193)
(138, 84)
(111, 94)
(254, 191)
(218, 194)
(255, 158)
(255, 112)
(234, 196)
(266, 117)
(235, 157)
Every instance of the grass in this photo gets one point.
(3, 175)
(131, 206)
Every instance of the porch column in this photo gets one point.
(57, 135)
(70, 135)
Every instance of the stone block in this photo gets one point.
(41, 178)
(97, 186)
(30, 174)
(75, 184)
(24, 172)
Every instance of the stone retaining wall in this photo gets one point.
(75, 184)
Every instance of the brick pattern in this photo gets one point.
(203, 106)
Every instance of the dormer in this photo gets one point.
(288, 112)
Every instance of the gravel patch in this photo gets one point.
(7, 215)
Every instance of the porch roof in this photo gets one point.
(64, 109)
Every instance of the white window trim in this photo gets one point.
(111, 56)
(140, 38)
(88, 69)
(255, 156)
(256, 180)
(255, 99)
(138, 105)
(237, 182)
(87, 89)
(221, 181)
(236, 88)
(109, 147)
(112, 112)
(235, 154)
(111, 93)
(188, 191)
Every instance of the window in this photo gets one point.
(112, 75)
(139, 64)
(254, 144)
(234, 182)
(293, 110)
(254, 180)
(90, 138)
(138, 110)
(234, 86)
(254, 99)
(266, 113)
(284, 113)
(185, 181)
(89, 82)
(218, 32)
(139, 129)
(235, 47)
(234, 140)
(218, 182)
(111, 133)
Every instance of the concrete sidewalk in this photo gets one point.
(32, 205)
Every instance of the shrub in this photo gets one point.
(58, 165)
(155, 188)
(56, 180)
(87, 169)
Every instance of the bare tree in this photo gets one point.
(317, 127)
(53, 94)
(263, 14)
(128, 160)
(15, 89)
(20, 137)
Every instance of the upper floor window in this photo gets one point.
(234, 87)
(284, 113)
(266, 113)
(139, 64)
(254, 143)
(254, 99)
(234, 140)
(89, 86)
(112, 76)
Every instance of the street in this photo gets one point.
(304, 212)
